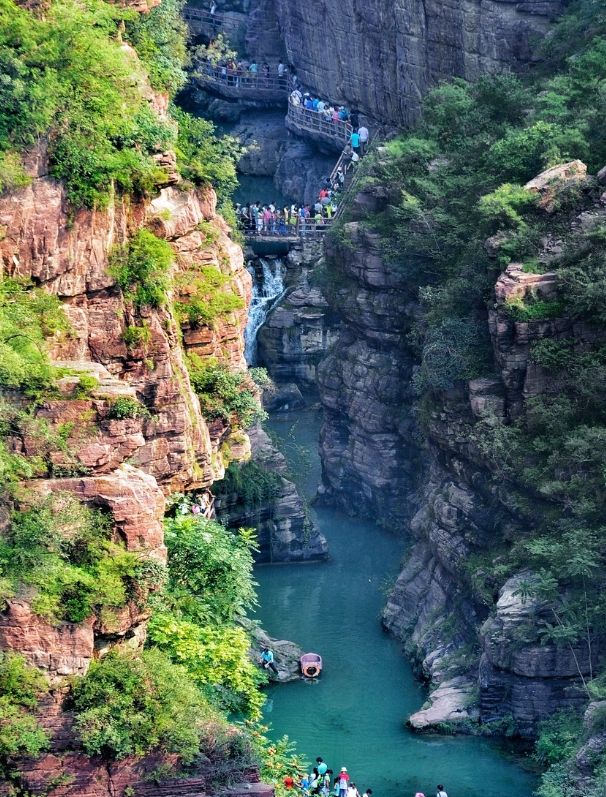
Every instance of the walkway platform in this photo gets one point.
(202, 23)
(314, 124)
(242, 85)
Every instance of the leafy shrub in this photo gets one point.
(531, 308)
(204, 296)
(28, 316)
(86, 384)
(141, 268)
(458, 349)
(278, 758)
(159, 38)
(68, 78)
(250, 482)
(203, 158)
(134, 336)
(558, 737)
(12, 172)
(126, 407)
(210, 568)
(260, 376)
(225, 395)
(128, 705)
(63, 551)
(553, 354)
(21, 687)
(217, 659)
(503, 207)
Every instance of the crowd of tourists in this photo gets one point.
(299, 219)
(322, 781)
(244, 73)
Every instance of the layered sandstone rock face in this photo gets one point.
(299, 330)
(124, 466)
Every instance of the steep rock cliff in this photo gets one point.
(381, 57)
(364, 382)
(478, 640)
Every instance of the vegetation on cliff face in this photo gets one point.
(21, 687)
(62, 554)
(456, 216)
(68, 76)
(78, 80)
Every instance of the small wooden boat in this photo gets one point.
(311, 665)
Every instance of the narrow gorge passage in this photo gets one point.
(354, 715)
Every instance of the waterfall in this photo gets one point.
(268, 285)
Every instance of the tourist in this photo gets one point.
(367, 793)
(419, 794)
(267, 660)
(314, 781)
(343, 782)
(352, 790)
(364, 136)
(281, 223)
(354, 140)
(253, 68)
(304, 786)
(441, 792)
(213, 8)
(281, 70)
(327, 781)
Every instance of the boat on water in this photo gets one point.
(311, 665)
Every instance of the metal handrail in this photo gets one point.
(351, 187)
(316, 122)
(217, 20)
(238, 79)
(303, 229)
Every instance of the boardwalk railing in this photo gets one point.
(241, 82)
(214, 23)
(302, 118)
(308, 228)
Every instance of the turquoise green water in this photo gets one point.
(354, 715)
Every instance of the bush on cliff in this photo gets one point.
(141, 267)
(28, 317)
(21, 687)
(205, 295)
(62, 552)
(129, 705)
(210, 585)
(68, 77)
(159, 38)
(230, 397)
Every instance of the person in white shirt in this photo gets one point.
(352, 791)
(441, 792)
(364, 135)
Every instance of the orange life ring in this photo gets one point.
(310, 670)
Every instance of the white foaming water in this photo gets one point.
(268, 285)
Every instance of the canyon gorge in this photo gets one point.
(448, 327)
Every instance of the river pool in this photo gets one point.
(354, 715)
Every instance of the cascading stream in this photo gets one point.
(268, 287)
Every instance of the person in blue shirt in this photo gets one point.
(267, 660)
(322, 767)
(355, 141)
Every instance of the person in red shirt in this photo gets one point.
(343, 782)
